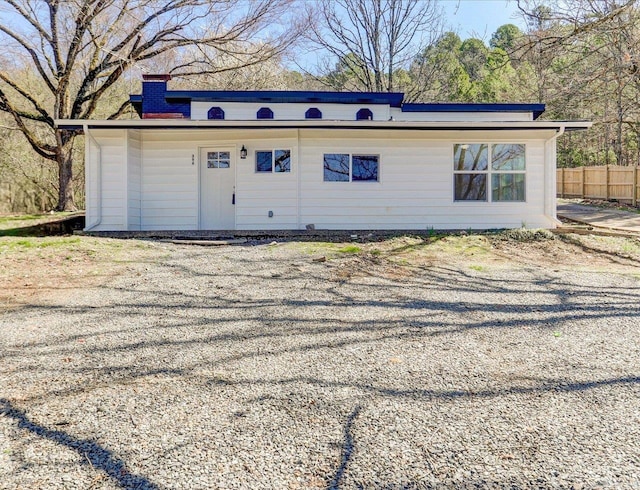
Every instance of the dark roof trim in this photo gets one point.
(164, 77)
(277, 96)
(136, 102)
(133, 125)
(537, 109)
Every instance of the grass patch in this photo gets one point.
(11, 221)
(14, 222)
(311, 248)
(479, 268)
(464, 245)
(18, 244)
(350, 249)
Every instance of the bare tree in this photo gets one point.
(592, 49)
(374, 39)
(65, 56)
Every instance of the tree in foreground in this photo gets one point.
(373, 41)
(61, 59)
(586, 57)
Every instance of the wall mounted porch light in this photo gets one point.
(243, 152)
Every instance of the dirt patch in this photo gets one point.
(568, 251)
(403, 257)
(53, 268)
(48, 270)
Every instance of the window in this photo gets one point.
(476, 165)
(364, 114)
(273, 161)
(215, 113)
(342, 167)
(218, 159)
(336, 167)
(264, 113)
(508, 172)
(364, 167)
(313, 113)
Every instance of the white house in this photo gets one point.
(263, 160)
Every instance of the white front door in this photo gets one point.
(217, 189)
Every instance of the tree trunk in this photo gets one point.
(64, 157)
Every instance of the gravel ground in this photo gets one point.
(260, 367)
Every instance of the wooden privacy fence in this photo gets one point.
(601, 182)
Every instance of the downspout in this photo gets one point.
(87, 154)
(551, 187)
(299, 180)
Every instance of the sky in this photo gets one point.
(468, 18)
(479, 18)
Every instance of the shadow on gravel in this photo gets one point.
(347, 449)
(551, 385)
(266, 327)
(99, 457)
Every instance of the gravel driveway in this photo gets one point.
(258, 367)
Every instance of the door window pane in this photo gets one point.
(218, 159)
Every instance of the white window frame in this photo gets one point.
(273, 160)
(218, 160)
(490, 172)
(351, 155)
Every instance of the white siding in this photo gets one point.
(257, 193)
(246, 111)
(134, 172)
(170, 199)
(169, 187)
(92, 170)
(106, 180)
(415, 188)
(398, 115)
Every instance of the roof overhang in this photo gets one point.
(322, 124)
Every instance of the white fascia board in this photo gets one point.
(275, 124)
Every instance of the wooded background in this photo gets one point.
(82, 59)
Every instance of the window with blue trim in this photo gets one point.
(313, 113)
(264, 113)
(364, 115)
(215, 113)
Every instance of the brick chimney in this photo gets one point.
(154, 100)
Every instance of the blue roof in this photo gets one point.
(537, 109)
(393, 99)
(157, 99)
